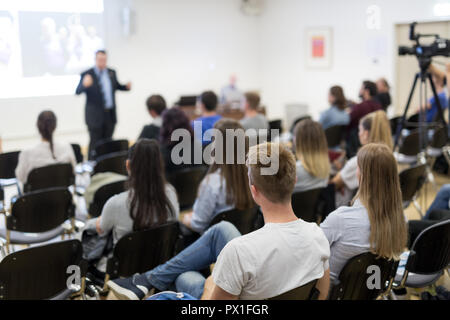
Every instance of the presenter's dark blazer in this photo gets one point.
(95, 103)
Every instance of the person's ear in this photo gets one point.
(127, 165)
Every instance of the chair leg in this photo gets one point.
(418, 208)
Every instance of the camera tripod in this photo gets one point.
(423, 126)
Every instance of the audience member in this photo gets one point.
(311, 149)
(383, 96)
(45, 153)
(253, 119)
(375, 221)
(209, 116)
(155, 106)
(230, 94)
(374, 127)
(226, 184)
(172, 120)
(336, 115)
(283, 255)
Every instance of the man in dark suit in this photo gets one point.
(100, 84)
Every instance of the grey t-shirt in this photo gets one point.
(347, 230)
(257, 122)
(116, 213)
(306, 181)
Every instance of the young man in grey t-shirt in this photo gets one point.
(253, 119)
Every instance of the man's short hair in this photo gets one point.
(278, 187)
(371, 87)
(253, 100)
(209, 100)
(102, 51)
(156, 103)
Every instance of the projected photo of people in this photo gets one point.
(66, 42)
(8, 44)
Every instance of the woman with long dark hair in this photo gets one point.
(175, 119)
(150, 201)
(47, 152)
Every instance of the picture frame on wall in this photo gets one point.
(319, 48)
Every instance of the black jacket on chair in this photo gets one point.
(95, 102)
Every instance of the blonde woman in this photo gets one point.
(311, 150)
(374, 127)
(375, 222)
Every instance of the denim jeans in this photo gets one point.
(441, 200)
(182, 269)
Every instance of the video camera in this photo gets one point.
(440, 47)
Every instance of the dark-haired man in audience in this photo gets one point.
(208, 104)
(155, 106)
(369, 104)
(283, 255)
(383, 96)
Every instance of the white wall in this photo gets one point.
(180, 47)
(183, 47)
(285, 77)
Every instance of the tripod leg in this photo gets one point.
(402, 123)
(438, 102)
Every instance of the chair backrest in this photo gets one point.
(114, 162)
(143, 250)
(77, 151)
(411, 181)
(440, 138)
(103, 194)
(306, 292)
(354, 278)
(41, 211)
(186, 182)
(110, 146)
(39, 272)
(8, 164)
(296, 121)
(410, 145)
(274, 125)
(52, 176)
(431, 249)
(395, 124)
(243, 220)
(335, 135)
(305, 204)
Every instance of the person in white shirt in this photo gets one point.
(47, 152)
(373, 128)
(285, 254)
(375, 222)
(231, 94)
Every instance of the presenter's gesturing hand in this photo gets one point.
(128, 86)
(87, 81)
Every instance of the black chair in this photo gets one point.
(305, 204)
(274, 125)
(428, 258)
(352, 282)
(114, 162)
(141, 251)
(106, 147)
(8, 164)
(411, 181)
(186, 182)
(41, 272)
(103, 194)
(409, 148)
(243, 220)
(52, 176)
(38, 217)
(395, 124)
(335, 135)
(77, 151)
(306, 292)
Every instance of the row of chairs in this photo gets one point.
(42, 272)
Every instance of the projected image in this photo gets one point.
(61, 43)
(46, 44)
